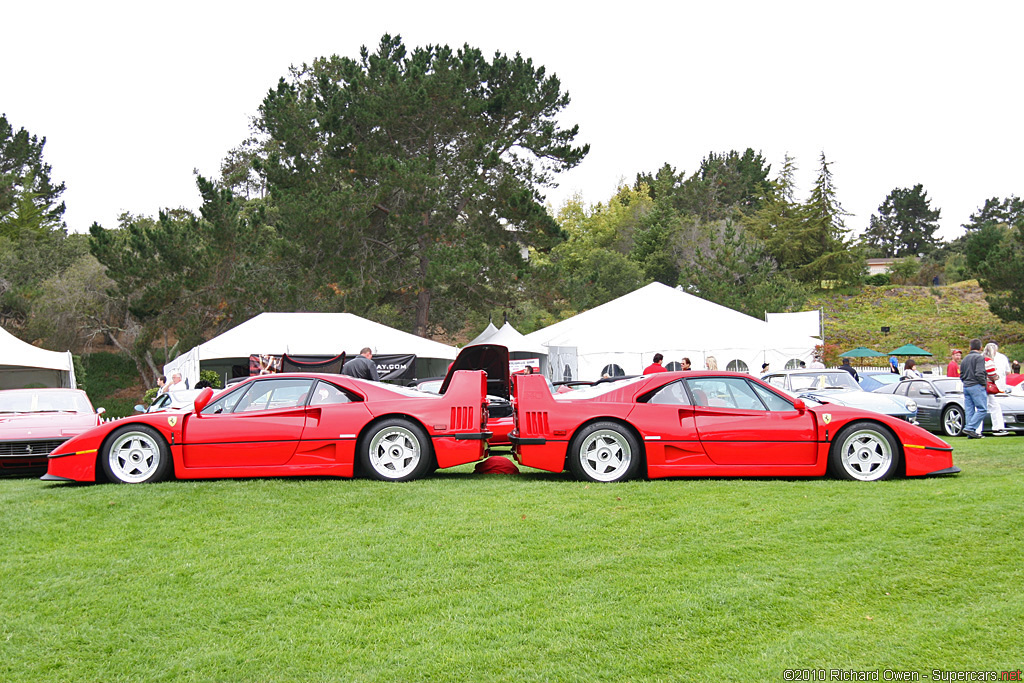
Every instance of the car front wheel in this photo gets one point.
(136, 454)
(397, 450)
(953, 420)
(604, 452)
(864, 452)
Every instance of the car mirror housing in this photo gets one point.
(799, 405)
(203, 399)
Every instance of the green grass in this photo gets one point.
(463, 577)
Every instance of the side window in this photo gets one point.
(917, 390)
(274, 394)
(777, 381)
(724, 392)
(902, 388)
(227, 403)
(772, 400)
(328, 394)
(672, 394)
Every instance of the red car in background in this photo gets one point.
(33, 422)
(288, 425)
(676, 424)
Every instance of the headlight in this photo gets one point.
(911, 406)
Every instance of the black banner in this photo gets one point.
(390, 366)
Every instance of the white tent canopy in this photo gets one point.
(307, 334)
(628, 331)
(514, 340)
(23, 365)
(485, 335)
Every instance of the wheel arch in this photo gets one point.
(364, 434)
(617, 420)
(901, 465)
(101, 473)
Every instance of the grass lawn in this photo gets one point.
(463, 577)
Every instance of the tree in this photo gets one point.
(905, 224)
(810, 241)
(995, 211)
(732, 268)
(28, 198)
(413, 180)
(996, 254)
(182, 277)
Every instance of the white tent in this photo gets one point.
(308, 334)
(483, 336)
(628, 331)
(521, 351)
(24, 365)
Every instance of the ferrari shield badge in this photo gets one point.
(173, 420)
(826, 418)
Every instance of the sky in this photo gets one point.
(134, 97)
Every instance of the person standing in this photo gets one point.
(972, 373)
(686, 364)
(993, 373)
(850, 369)
(710, 363)
(362, 366)
(953, 369)
(656, 366)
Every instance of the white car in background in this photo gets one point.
(839, 387)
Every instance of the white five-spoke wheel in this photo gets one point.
(136, 454)
(864, 451)
(604, 451)
(397, 450)
(953, 420)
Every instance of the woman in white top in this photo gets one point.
(995, 411)
(910, 370)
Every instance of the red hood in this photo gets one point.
(23, 426)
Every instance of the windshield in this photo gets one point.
(839, 379)
(44, 401)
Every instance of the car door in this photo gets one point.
(665, 419)
(929, 403)
(744, 423)
(257, 425)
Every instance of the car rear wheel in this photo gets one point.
(397, 450)
(953, 420)
(603, 452)
(864, 451)
(136, 454)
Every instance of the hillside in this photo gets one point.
(934, 318)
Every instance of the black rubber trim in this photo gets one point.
(948, 470)
(53, 477)
(519, 440)
(482, 436)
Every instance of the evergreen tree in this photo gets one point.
(905, 224)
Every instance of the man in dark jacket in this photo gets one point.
(362, 366)
(850, 369)
(972, 373)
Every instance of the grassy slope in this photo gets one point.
(463, 577)
(934, 318)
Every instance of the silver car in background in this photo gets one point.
(839, 387)
(940, 405)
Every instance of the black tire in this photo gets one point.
(952, 421)
(396, 450)
(136, 454)
(604, 452)
(864, 451)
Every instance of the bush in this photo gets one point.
(879, 280)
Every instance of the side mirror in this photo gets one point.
(100, 411)
(799, 405)
(203, 399)
(139, 408)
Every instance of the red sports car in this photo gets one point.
(35, 421)
(676, 424)
(288, 424)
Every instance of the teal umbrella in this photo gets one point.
(862, 352)
(909, 350)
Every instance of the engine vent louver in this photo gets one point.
(462, 418)
(535, 422)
